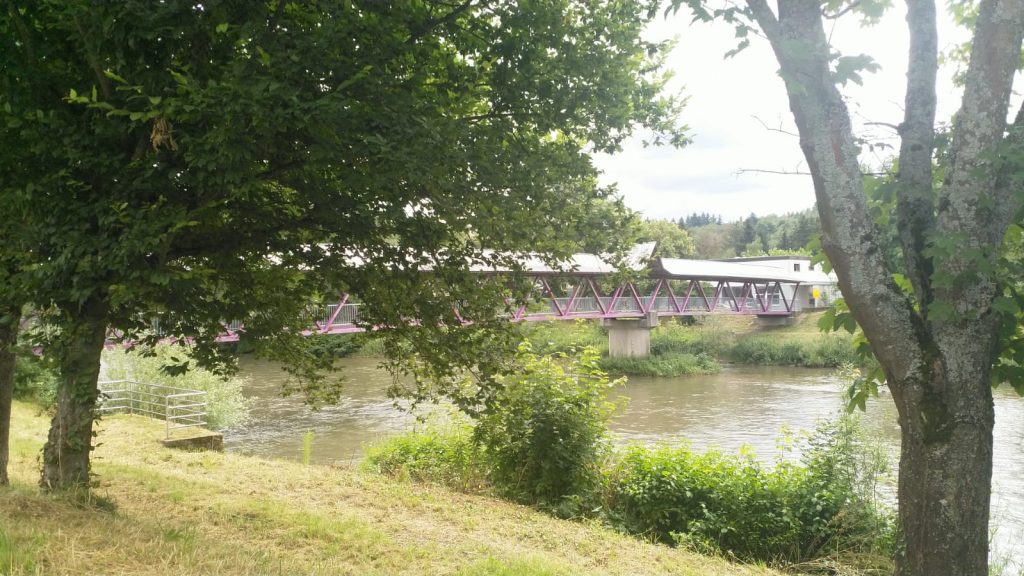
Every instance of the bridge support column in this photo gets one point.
(630, 337)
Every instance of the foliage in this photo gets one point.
(696, 220)
(669, 364)
(226, 406)
(564, 337)
(821, 352)
(545, 432)
(698, 339)
(307, 447)
(441, 454)
(335, 345)
(714, 502)
(755, 235)
(672, 240)
(34, 379)
(172, 162)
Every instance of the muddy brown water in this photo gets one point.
(755, 407)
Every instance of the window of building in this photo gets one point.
(796, 267)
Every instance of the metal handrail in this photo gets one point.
(156, 401)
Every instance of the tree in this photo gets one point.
(937, 340)
(9, 324)
(673, 241)
(199, 162)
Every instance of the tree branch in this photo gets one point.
(770, 129)
(915, 197)
(853, 6)
(94, 63)
(849, 236)
(447, 18)
(765, 19)
(782, 172)
(980, 127)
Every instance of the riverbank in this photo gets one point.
(702, 345)
(158, 511)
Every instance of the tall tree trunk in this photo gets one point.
(9, 320)
(66, 454)
(945, 469)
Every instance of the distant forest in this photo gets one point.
(751, 236)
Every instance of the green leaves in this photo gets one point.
(849, 68)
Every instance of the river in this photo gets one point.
(741, 406)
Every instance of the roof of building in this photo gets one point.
(733, 271)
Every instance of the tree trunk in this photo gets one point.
(945, 471)
(9, 321)
(66, 454)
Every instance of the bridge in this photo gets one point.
(668, 287)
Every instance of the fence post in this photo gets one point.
(167, 416)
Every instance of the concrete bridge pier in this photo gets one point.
(630, 337)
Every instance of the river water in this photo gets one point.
(755, 407)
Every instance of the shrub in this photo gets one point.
(563, 337)
(545, 434)
(673, 364)
(226, 406)
(718, 503)
(334, 345)
(442, 455)
(711, 502)
(821, 352)
(672, 337)
(34, 380)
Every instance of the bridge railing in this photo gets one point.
(582, 298)
(179, 408)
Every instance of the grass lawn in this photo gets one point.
(157, 511)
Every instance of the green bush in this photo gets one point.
(34, 380)
(714, 502)
(226, 406)
(671, 364)
(545, 434)
(696, 339)
(711, 502)
(563, 337)
(334, 345)
(442, 455)
(822, 352)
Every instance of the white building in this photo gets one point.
(817, 288)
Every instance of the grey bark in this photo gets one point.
(66, 453)
(937, 367)
(9, 320)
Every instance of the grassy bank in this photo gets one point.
(700, 346)
(160, 511)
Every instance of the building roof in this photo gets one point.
(733, 271)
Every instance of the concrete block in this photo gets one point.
(212, 441)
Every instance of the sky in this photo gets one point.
(740, 122)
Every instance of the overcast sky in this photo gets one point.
(731, 106)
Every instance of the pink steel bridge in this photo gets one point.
(673, 287)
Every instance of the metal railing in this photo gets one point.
(179, 408)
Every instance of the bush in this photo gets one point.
(711, 502)
(674, 338)
(732, 504)
(34, 380)
(441, 455)
(226, 406)
(563, 337)
(545, 434)
(334, 345)
(673, 364)
(822, 352)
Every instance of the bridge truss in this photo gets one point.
(581, 297)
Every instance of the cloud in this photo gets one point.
(738, 116)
